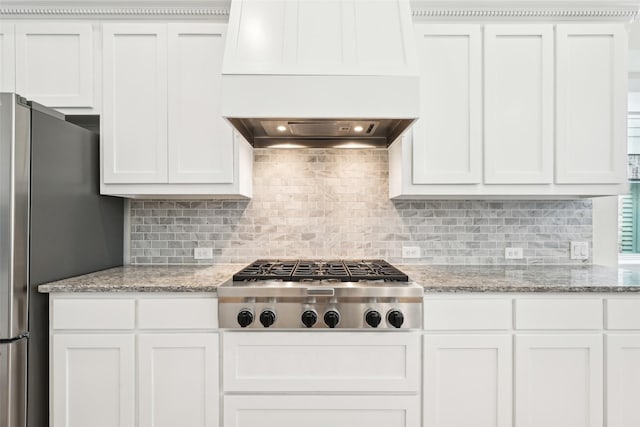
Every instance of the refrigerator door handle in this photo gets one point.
(22, 336)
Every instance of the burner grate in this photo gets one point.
(342, 270)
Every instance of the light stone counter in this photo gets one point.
(503, 278)
(170, 278)
(434, 278)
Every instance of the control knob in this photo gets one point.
(245, 318)
(395, 318)
(332, 318)
(309, 318)
(267, 318)
(373, 318)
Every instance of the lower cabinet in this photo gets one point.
(623, 380)
(321, 379)
(177, 380)
(467, 380)
(559, 380)
(121, 362)
(321, 411)
(93, 380)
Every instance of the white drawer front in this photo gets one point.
(178, 313)
(574, 314)
(321, 411)
(623, 314)
(466, 314)
(84, 314)
(321, 361)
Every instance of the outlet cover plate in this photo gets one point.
(513, 253)
(202, 253)
(411, 252)
(580, 250)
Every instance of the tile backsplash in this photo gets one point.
(331, 203)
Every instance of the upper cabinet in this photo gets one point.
(52, 63)
(527, 109)
(592, 104)
(7, 58)
(161, 126)
(55, 63)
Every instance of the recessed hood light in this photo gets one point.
(365, 70)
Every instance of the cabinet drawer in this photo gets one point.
(94, 314)
(575, 314)
(337, 411)
(623, 314)
(178, 313)
(321, 361)
(467, 314)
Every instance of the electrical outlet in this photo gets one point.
(513, 253)
(203, 253)
(410, 252)
(579, 250)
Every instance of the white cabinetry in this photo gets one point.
(134, 121)
(178, 380)
(321, 411)
(467, 380)
(7, 58)
(497, 116)
(162, 129)
(55, 64)
(623, 380)
(93, 380)
(319, 379)
(518, 104)
(101, 377)
(528, 360)
(558, 380)
(592, 103)
(447, 139)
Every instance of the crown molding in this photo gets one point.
(624, 10)
(523, 9)
(111, 12)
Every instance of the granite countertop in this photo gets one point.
(156, 278)
(434, 278)
(507, 278)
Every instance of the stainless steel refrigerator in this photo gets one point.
(53, 225)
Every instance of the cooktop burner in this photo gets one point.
(340, 270)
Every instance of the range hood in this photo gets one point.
(320, 73)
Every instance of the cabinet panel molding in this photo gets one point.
(54, 63)
(134, 123)
(623, 380)
(447, 140)
(467, 380)
(518, 104)
(591, 99)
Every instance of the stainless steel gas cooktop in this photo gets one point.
(320, 294)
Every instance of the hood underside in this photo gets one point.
(320, 133)
(320, 73)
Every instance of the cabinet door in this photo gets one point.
(343, 362)
(447, 139)
(518, 104)
(592, 103)
(559, 381)
(321, 411)
(178, 380)
(623, 380)
(7, 58)
(92, 381)
(54, 63)
(467, 380)
(134, 121)
(200, 140)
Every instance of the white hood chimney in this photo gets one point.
(320, 73)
